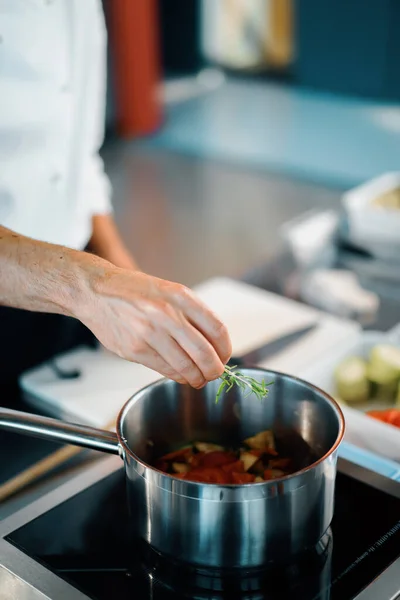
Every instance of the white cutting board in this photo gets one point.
(253, 317)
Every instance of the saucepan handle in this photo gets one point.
(59, 431)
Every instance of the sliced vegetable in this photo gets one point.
(351, 380)
(248, 460)
(205, 462)
(207, 447)
(180, 467)
(264, 439)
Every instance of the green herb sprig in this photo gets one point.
(229, 378)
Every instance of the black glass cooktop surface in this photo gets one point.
(86, 541)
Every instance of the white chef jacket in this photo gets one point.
(52, 112)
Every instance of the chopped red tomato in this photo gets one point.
(268, 474)
(237, 467)
(193, 476)
(196, 459)
(257, 453)
(211, 463)
(217, 459)
(280, 463)
(262, 451)
(162, 465)
(208, 475)
(242, 477)
(181, 455)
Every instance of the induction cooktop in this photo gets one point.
(76, 544)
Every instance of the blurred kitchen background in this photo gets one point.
(255, 140)
(227, 119)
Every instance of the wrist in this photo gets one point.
(77, 294)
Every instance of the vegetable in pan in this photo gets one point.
(255, 461)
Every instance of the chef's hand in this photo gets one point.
(143, 319)
(157, 323)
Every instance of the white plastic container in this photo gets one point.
(361, 430)
(372, 228)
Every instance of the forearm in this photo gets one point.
(157, 323)
(107, 243)
(43, 277)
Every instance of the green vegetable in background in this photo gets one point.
(384, 372)
(351, 380)
(398, 396)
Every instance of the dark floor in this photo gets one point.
(188, 219)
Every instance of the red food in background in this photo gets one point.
(389, 415)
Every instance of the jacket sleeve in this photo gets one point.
(96, 185)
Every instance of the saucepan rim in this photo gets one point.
(124, 444)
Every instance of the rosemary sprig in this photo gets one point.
(229, 378)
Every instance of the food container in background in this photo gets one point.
(361, 429)
(248, 35)
(372, 213)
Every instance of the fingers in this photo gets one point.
(207, 323)
(177, 358)
(151, 359)
(199, 349)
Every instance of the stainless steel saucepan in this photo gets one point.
(209, 524)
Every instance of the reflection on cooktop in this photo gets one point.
(87, 541)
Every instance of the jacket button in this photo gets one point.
(55, 178)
